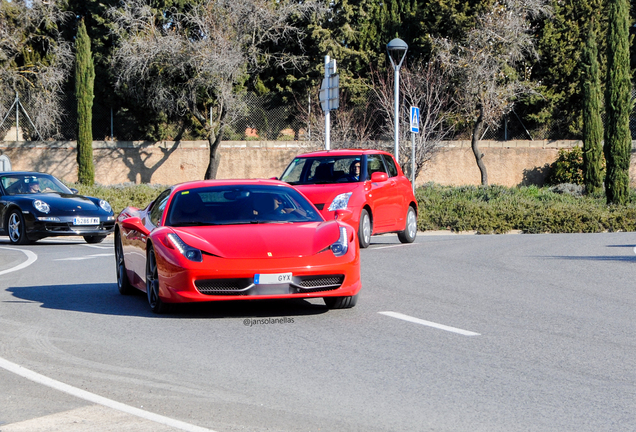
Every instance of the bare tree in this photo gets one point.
(426, 86)
(352, 126)
(34, 59)
(195, 63)
(489, 64)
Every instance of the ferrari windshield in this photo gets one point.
(18, 184)
(239, 204)
(324, 170)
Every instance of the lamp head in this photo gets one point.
(396, 49)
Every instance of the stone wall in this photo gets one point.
(508, 163)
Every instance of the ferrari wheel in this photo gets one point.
(364, 229)
(152, 284)
(123, 284)
(341, 302)
(16, 228)
(410, 231)
(94, 239)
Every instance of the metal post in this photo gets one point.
(309, 116)
(413, 160)
(17, 117)
(396, 112)
(327, 116)
(397, 47)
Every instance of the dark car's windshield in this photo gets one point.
(239, 204)
(18, 184)
(323, 170)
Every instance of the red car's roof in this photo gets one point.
(343, 152)
(207, 183)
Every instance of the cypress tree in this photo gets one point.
(592, 122)
(617, 147)
(84, 81)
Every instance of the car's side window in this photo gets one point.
(374, 164)
(158, 207)
(390, 164)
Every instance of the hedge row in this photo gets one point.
(498, 209)
(492, 209)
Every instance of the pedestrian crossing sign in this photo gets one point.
(415, 119)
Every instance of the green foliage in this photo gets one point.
(618, 141)
(568, 168)
(498, 209)
(121, 196)
(84, 82)
(487, 210)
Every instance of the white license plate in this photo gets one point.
(270, 279)
(85, 221)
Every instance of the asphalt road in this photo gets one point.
(452, 333)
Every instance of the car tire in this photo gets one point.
(94, 239)
(410, 230)
(341, 302)
(365, 228)
(16, 228)
(152, 284)
(123, 284)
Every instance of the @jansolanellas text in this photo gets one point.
(249, 322)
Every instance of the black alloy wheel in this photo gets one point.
(152, 284)
(123, 284)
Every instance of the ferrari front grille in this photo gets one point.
(318, 282)
(222, 286)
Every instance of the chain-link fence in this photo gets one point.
(262, 118)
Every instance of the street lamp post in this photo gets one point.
(396, 50)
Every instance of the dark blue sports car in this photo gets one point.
(35, 205)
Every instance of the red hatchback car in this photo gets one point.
(365, 188)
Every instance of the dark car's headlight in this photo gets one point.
(193, 254)
(340, 247)
(105, 206)
(340, 202)
(41, 206)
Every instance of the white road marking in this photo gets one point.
(392, 246)
(31, 258)
(85, 257)
(91, 397)
(98, 247)
(429, 323)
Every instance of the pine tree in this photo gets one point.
(84, 81)
(592, 122)
(617, 147)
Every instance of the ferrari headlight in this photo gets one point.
(105, 206)
(340, 247)
(41, 206)
(186, 250)
(340, 202)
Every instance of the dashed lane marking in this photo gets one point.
(429, 323)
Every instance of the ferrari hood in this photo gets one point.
(266, 240)
(325, 193)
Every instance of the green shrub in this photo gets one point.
(122, 196)
(497, 209)
(568, 168)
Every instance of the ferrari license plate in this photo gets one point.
(85, 221)
(270, 279)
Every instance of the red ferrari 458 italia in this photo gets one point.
(233, 240)
(366, 187)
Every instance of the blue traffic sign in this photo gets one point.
(415, 119)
